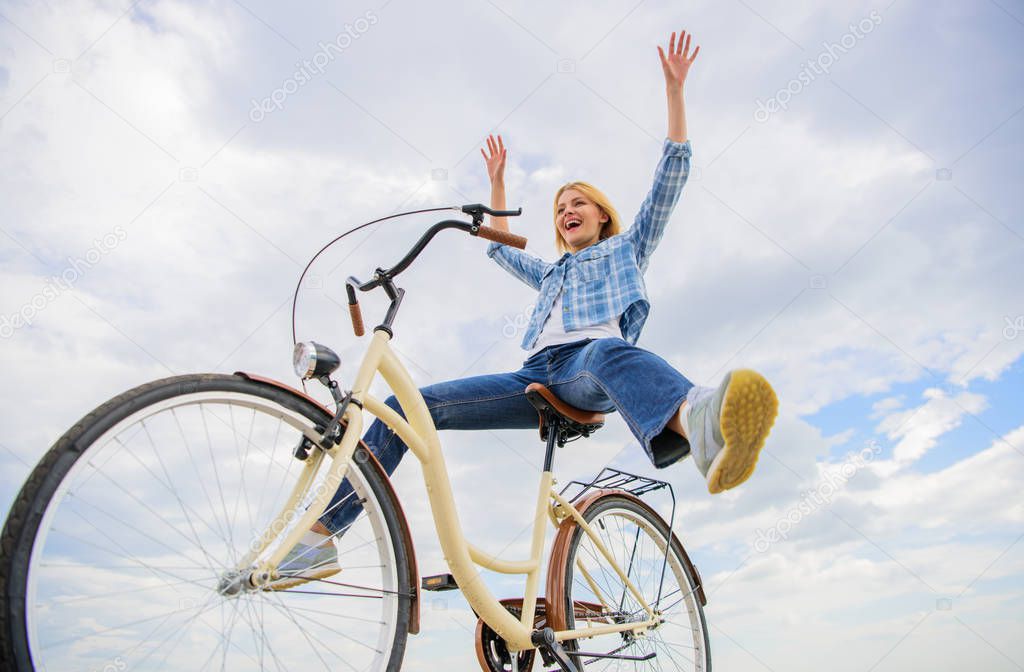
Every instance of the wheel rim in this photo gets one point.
(124, 567)
(638, 547)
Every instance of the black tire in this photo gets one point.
(27, 513)
(676, 573)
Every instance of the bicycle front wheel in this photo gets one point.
(114, 554)
(594, 594)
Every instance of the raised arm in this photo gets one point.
(524, 266)
(676, 65)
(496, 173)
(674, 166)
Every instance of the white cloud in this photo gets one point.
(883, 406)
(918, 429)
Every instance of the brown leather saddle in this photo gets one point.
(571, 422)
(568, 422)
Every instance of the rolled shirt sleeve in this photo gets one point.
(525, 266)
(669, 178)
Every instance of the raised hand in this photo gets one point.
(677, 63)
(496, 160)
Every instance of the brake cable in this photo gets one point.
(295, 296)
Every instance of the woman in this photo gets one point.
(581, 341)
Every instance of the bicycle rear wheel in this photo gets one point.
(594, 594)
(112, 554)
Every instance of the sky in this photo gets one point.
(849, 228)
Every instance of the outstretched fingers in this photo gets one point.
(684, 51)
(494, 147)
(679, 50)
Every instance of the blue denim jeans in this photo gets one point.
(604, 374)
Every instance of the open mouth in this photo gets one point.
(573, 224)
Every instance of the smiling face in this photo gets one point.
(578, 220)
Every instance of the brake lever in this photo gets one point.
(478, 210)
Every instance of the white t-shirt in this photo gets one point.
(554, 333)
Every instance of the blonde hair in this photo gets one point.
(608, 229)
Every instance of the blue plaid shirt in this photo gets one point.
(605, 280)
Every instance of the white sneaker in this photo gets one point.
(310, 560)
(727, 427)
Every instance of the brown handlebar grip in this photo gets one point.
(503, 237)
(357, 318)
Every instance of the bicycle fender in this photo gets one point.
(555, 584)
(414, 580)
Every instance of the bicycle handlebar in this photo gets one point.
(382, 277)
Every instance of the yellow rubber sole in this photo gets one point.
(292, 581)
(749, 409)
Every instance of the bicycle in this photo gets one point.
(151, 532)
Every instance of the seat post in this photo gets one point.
(554, 425)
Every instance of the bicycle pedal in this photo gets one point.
(440, 582)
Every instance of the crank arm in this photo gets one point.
(551, 648)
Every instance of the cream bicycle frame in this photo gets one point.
(420, 434)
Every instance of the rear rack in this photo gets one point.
(619, 480)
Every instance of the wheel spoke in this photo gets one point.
(216, 476)
(172, 490)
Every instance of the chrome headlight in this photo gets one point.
(312, 360)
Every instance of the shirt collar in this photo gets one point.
(565, 256)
